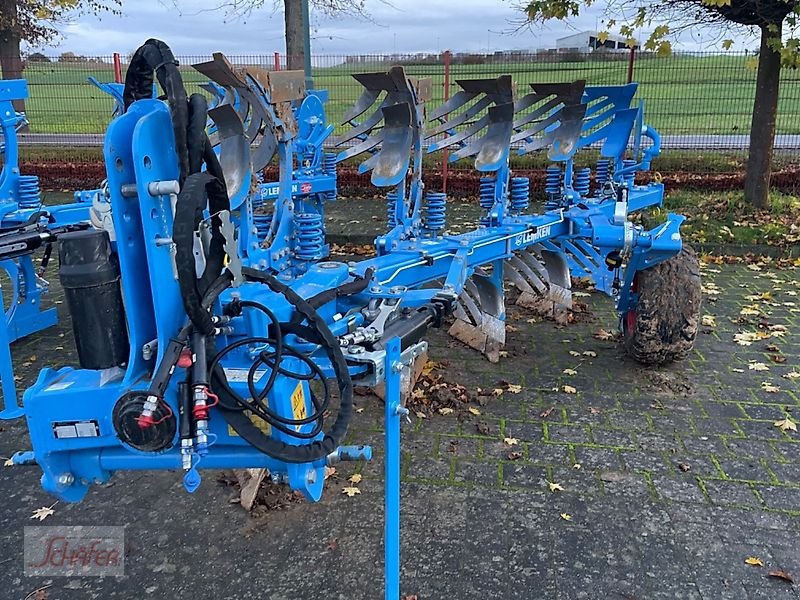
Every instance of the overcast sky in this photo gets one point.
(404, 26)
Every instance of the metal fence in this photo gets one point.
(699, 102)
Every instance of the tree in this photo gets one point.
(36, 22)
(293, 19)
(38, 57)
(776, 21)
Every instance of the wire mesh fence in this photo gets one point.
(701, 103)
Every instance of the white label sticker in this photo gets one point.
(240, 375)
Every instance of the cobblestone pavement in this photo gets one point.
(671, 479)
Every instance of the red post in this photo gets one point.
(277, 61)
(445, 153)
(631, 60)
(117, 68)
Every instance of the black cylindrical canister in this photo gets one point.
(89, 274)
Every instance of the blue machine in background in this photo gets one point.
(25, 226)
(221, 337)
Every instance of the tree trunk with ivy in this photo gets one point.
(765, 112)
(293, 21)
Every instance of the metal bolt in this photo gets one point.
(66, 479)
(356, 350)
(375, 289)
(397, 367)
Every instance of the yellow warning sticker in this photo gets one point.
(299, 404)
(260, 424)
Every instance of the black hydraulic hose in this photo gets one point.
(241, 422)
(350, 288)
(155, 56)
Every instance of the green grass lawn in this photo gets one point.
(683, 94)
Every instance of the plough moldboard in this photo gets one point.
(222, 335)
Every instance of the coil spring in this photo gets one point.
(629, 177)
(329, 168)
(602, 172)
(310, 236)
(552, 187)
(28, 192)
(262, 222)
(582, 181)
(487, 192)
(520, 194)
(435, 210)
(308, 157)
(391, 206)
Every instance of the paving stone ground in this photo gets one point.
(682, 476)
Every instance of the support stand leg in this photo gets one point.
(394, 411)
(11, 409)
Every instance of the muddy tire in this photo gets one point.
(663, 325)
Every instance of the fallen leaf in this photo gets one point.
(769, 388)
(513, 388)
(359, 410)
(8, 463)
(568, 389)
(446, 411)
(497, 391)
(330, 472)
(754, 561)
(474, 411)
(43, 512)
(573, 353)
(569, 372)
(577, 466)
(546, 412)
(778, 359)
(786, 425)
(781, 575)
(421, 415)
(509, 441)
(590, 353)
(735, 370)
(514, 455)
(355, 478)
(555, 487)
(602, 334)
(351, 491)
(758, 366)
(791, 375)
(566, 516)
(684, 467)
(411, 597)
(333, 545)
(709, 321)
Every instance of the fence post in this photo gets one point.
(117, 68)
(277, 61)
(445, 154)
(631, 60)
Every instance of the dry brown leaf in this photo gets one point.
(546, 412)
(514, 455)
(602, 334)
(355, 478)
(8, 462)
(780, 574)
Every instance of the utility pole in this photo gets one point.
(307, 46)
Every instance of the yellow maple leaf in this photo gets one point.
(351, 491)
(769, 388)
(602, 37)
(444, 411)
(555, 487)
(709, 321)
(754, 561)
(513, 388)
(786, 425)
(758, 366)
(355, 478)
(474, 410)
(726, 44)
(569, 372)
(566, 516)
(509, 441)
(568, 389)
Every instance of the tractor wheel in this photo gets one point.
(663, 325)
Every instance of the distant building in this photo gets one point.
(589, 41)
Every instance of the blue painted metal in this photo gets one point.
(21, 207)
(392, 414)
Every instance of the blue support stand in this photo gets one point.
(11, 408)
(394, 411)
